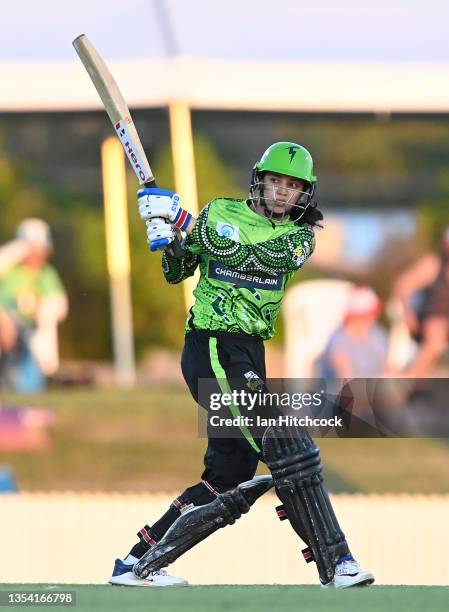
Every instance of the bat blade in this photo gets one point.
(116, 107)
(120, 117)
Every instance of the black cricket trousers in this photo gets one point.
(220, 357)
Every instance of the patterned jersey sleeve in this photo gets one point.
(278, 256)
(177, 269)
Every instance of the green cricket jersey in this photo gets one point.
(245, 260)
(21, 288)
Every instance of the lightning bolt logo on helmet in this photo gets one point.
(292, 151)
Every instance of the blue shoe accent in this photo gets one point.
(345, 558)
(121, 568)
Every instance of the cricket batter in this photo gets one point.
(247, 251)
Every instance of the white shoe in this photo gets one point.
(123, 575)
(348, 573)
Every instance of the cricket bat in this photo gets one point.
(119, 114)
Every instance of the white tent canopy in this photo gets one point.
(288, 55)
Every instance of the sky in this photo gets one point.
(321, 30)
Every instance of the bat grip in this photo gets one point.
(175, 249)
(157, 245)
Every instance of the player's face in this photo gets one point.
(37, 256)
(281, 193)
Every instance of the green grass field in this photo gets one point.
(252, 598)
(146, 440)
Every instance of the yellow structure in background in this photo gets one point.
(118, 259)
(117, 233)
(185, 174)
(387, 534)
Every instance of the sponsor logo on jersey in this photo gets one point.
(219, 271)
(228, 231)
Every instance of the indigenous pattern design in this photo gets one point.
(242, 282)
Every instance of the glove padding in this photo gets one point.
(158, 229)
(162, 203)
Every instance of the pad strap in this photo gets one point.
(146, 535)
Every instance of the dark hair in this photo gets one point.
(312, 216)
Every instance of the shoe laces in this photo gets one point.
(347, 567)
(160, 572)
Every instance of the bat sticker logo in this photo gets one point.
(292, 152)
(130, 151)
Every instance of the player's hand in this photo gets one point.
(154, 202)
(159, 230)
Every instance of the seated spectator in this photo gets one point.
(359, 347)
(32, 302)
(423, 291)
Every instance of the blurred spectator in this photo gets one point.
(359, 347)
(32, 302)
(423, 292)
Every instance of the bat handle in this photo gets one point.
(157, 245)
(175, 249)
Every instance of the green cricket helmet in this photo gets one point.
(288, 159)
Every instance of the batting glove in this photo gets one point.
(159, 233)
(154, 202)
